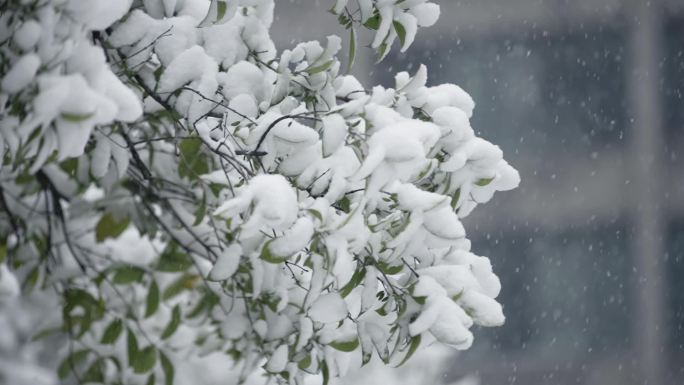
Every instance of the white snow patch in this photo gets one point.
(227, 263)
(328, 308)
(21, 74)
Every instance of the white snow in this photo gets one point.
(295, 239)
(386, 12)
(190, 65)
(132, 29)
(444, 223)
(328, 308)
(212, 15)
(131, 247)
(27, 36)
(244, 77)
(100, 160)
(339, 6)
(484, 310)
(445, 320)
(449, 95)
(9, 285)
(410, 24)
(21, 74)
(426, 13)
(98, 14)
(454, 279)
(448, 326)
(128, 103)
(235, 326)
(241, 105)
(334, 133)
(227, 263)
(278, 360)
(274, 204)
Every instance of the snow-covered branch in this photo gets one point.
(289, 216)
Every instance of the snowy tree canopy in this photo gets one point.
(187, 189)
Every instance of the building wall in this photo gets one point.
(585, 99)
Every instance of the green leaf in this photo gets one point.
(75, 118)
(47, 332)
(382, 51)
(158, 73)
(173, 323)
(193, 162)
(212, 15)
(345, 346)
(95, 372)
(426, 171)
(383, 309)
(325, 371)
(31, 279)
(234, 354)
(131, 348)
(344, 204)
(373, 22)
(71, 361)
(389, 269)
(173, 260)
(70, 166)
(208, 301)
(128, 274)
(349, 217)
(24, 178)
(79, 297)
(267, 256)
(150, 380)
(352, 49)
(216, 188)
(92, 310)
(365, 356)
(305, 362)
(201, 210)
(3, 251)
(167, 368)
(110, 227)
(319, 68)
(145, 360)
(112, 332)
(342, 19)
(171, 115)
(221, 7)
(184, 282)
(415, 343)
(455, 198)
(116, 362)
(401, 32)
(355, 280)
(316, 214)
(152, 302)
(484, 181)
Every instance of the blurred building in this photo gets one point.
(585, 99)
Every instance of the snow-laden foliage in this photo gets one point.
(276, 210)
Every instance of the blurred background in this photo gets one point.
(585, 99)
